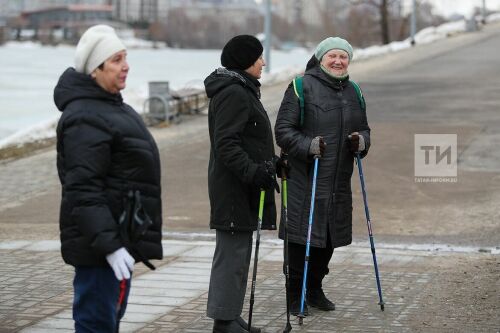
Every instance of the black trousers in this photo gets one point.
(317, 267)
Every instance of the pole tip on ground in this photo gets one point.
(288, 328)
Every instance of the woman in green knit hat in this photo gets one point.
(332, 125)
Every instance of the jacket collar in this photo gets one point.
(337, 84)
(252, 83)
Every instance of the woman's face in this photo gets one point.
(113, 75)
(336, 62)
(256, 69)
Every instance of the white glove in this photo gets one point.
(121, 262)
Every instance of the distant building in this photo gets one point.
(186, 23)
(68, 20)
(13, 8)
(149, 11)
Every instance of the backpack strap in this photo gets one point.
(361, 98)
(299, 92)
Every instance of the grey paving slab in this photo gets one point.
(147, 309)
(157, 300)
(201, 251)
(166, 291)
(13, 245)
(46, 330)
(173, 298)
(188, 285)
(20, 180)
(48, 245)
(153, 294)
(175, 249)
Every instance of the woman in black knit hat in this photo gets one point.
(241, 141)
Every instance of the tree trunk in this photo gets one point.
(384, 22)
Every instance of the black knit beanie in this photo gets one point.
(241, 52)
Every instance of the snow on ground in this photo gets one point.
(30, 71)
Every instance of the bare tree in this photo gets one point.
(325, 13)
(207, 30)
(382, 7)
(361, 26)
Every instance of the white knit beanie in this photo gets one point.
(95, 46)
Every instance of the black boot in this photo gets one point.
(244, 324)
(228, 326)
(316, 298)
(295, 305)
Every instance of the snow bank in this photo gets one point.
(41, 131)
(424, 36)
(493, 18)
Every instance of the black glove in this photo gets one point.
(356, 142)
(318, 146)
(263, 179)
(283, 165)
(271, 169)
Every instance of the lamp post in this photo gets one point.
(413, 27)
(267, 33)
(483, 12)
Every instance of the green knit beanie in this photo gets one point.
(331, 43)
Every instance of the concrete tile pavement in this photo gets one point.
(36, 290)
(26, 177)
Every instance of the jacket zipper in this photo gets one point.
(339, 150)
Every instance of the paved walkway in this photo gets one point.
(36, 291)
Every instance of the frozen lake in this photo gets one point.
(29, 72)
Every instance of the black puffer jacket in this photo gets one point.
(103, 151)
(333, 111)
(240, 139)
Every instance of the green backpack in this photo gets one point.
(299, 92)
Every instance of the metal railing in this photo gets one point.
(166, 106)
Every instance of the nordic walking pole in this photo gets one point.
(256, 257)
(308, 243)
(286, 264)
(370, 234)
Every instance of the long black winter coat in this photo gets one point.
(240, 139)
(332, 110)
(103, 151)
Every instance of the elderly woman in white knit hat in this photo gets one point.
(109, 168)
(331, 124)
